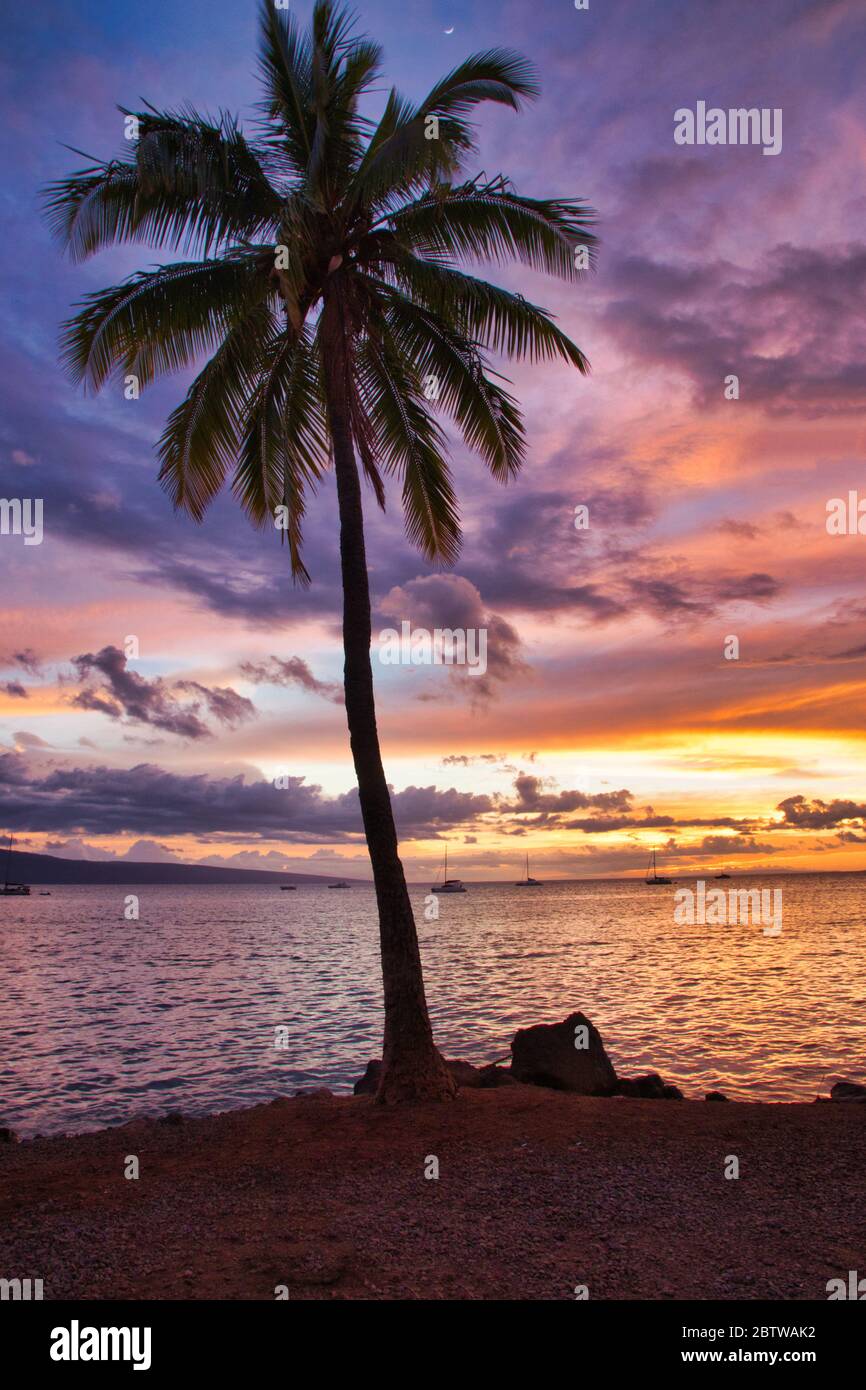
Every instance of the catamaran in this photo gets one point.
(13, 890)
(528, 882)
(448, 885)
(651, 875)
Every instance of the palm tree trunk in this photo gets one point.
(412, 1068)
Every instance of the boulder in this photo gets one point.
(546, 1055)
(7, 1135)
(649, 1087)
(493, 1076)
(715, 1095)
(463, 1072)
(848, 1090)
(173, 1117)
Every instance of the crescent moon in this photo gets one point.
(450, 31)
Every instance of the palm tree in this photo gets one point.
(323, 287)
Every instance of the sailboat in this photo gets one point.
(651, 875)
(448, 885)
(528, 882)
(13, 890)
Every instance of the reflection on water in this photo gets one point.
(103, 1018)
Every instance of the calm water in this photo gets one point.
(101, 1018)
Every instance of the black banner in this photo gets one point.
(163, 1339)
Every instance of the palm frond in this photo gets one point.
(410, 445)
(201, 439)
(454, 368)
(497, 75)
(503, 321)
(404, 157)
(491, 222)
(285, 68)
(161, 320)
(191, 184)
(285, 447)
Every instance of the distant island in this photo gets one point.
(48, 868)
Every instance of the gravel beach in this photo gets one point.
(538, 1192)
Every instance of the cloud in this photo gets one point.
(13, 770)
(742, 530)
(784, 327)
(449, 601)
(126, 695)
(467, 759)
(225, 704)
(531, 797)
(29, 660)
(141, 852)
(751, 588)
(77, 849)
(150, 801)
(149, 852)
(732, 844)
(23, 740)
(295, 671)
(821, 815)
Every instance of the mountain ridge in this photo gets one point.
(26, 867)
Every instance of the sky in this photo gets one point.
(166, 692)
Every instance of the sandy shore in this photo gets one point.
(538, 1192)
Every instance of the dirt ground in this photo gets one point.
(538, 1193)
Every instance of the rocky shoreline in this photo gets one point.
(567, 1056)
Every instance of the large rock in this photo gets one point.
(649, 1087)
(848, 1090)
(493, 1076)
(464, 1073)
(547, 1055)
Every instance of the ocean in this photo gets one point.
(102, 1018)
